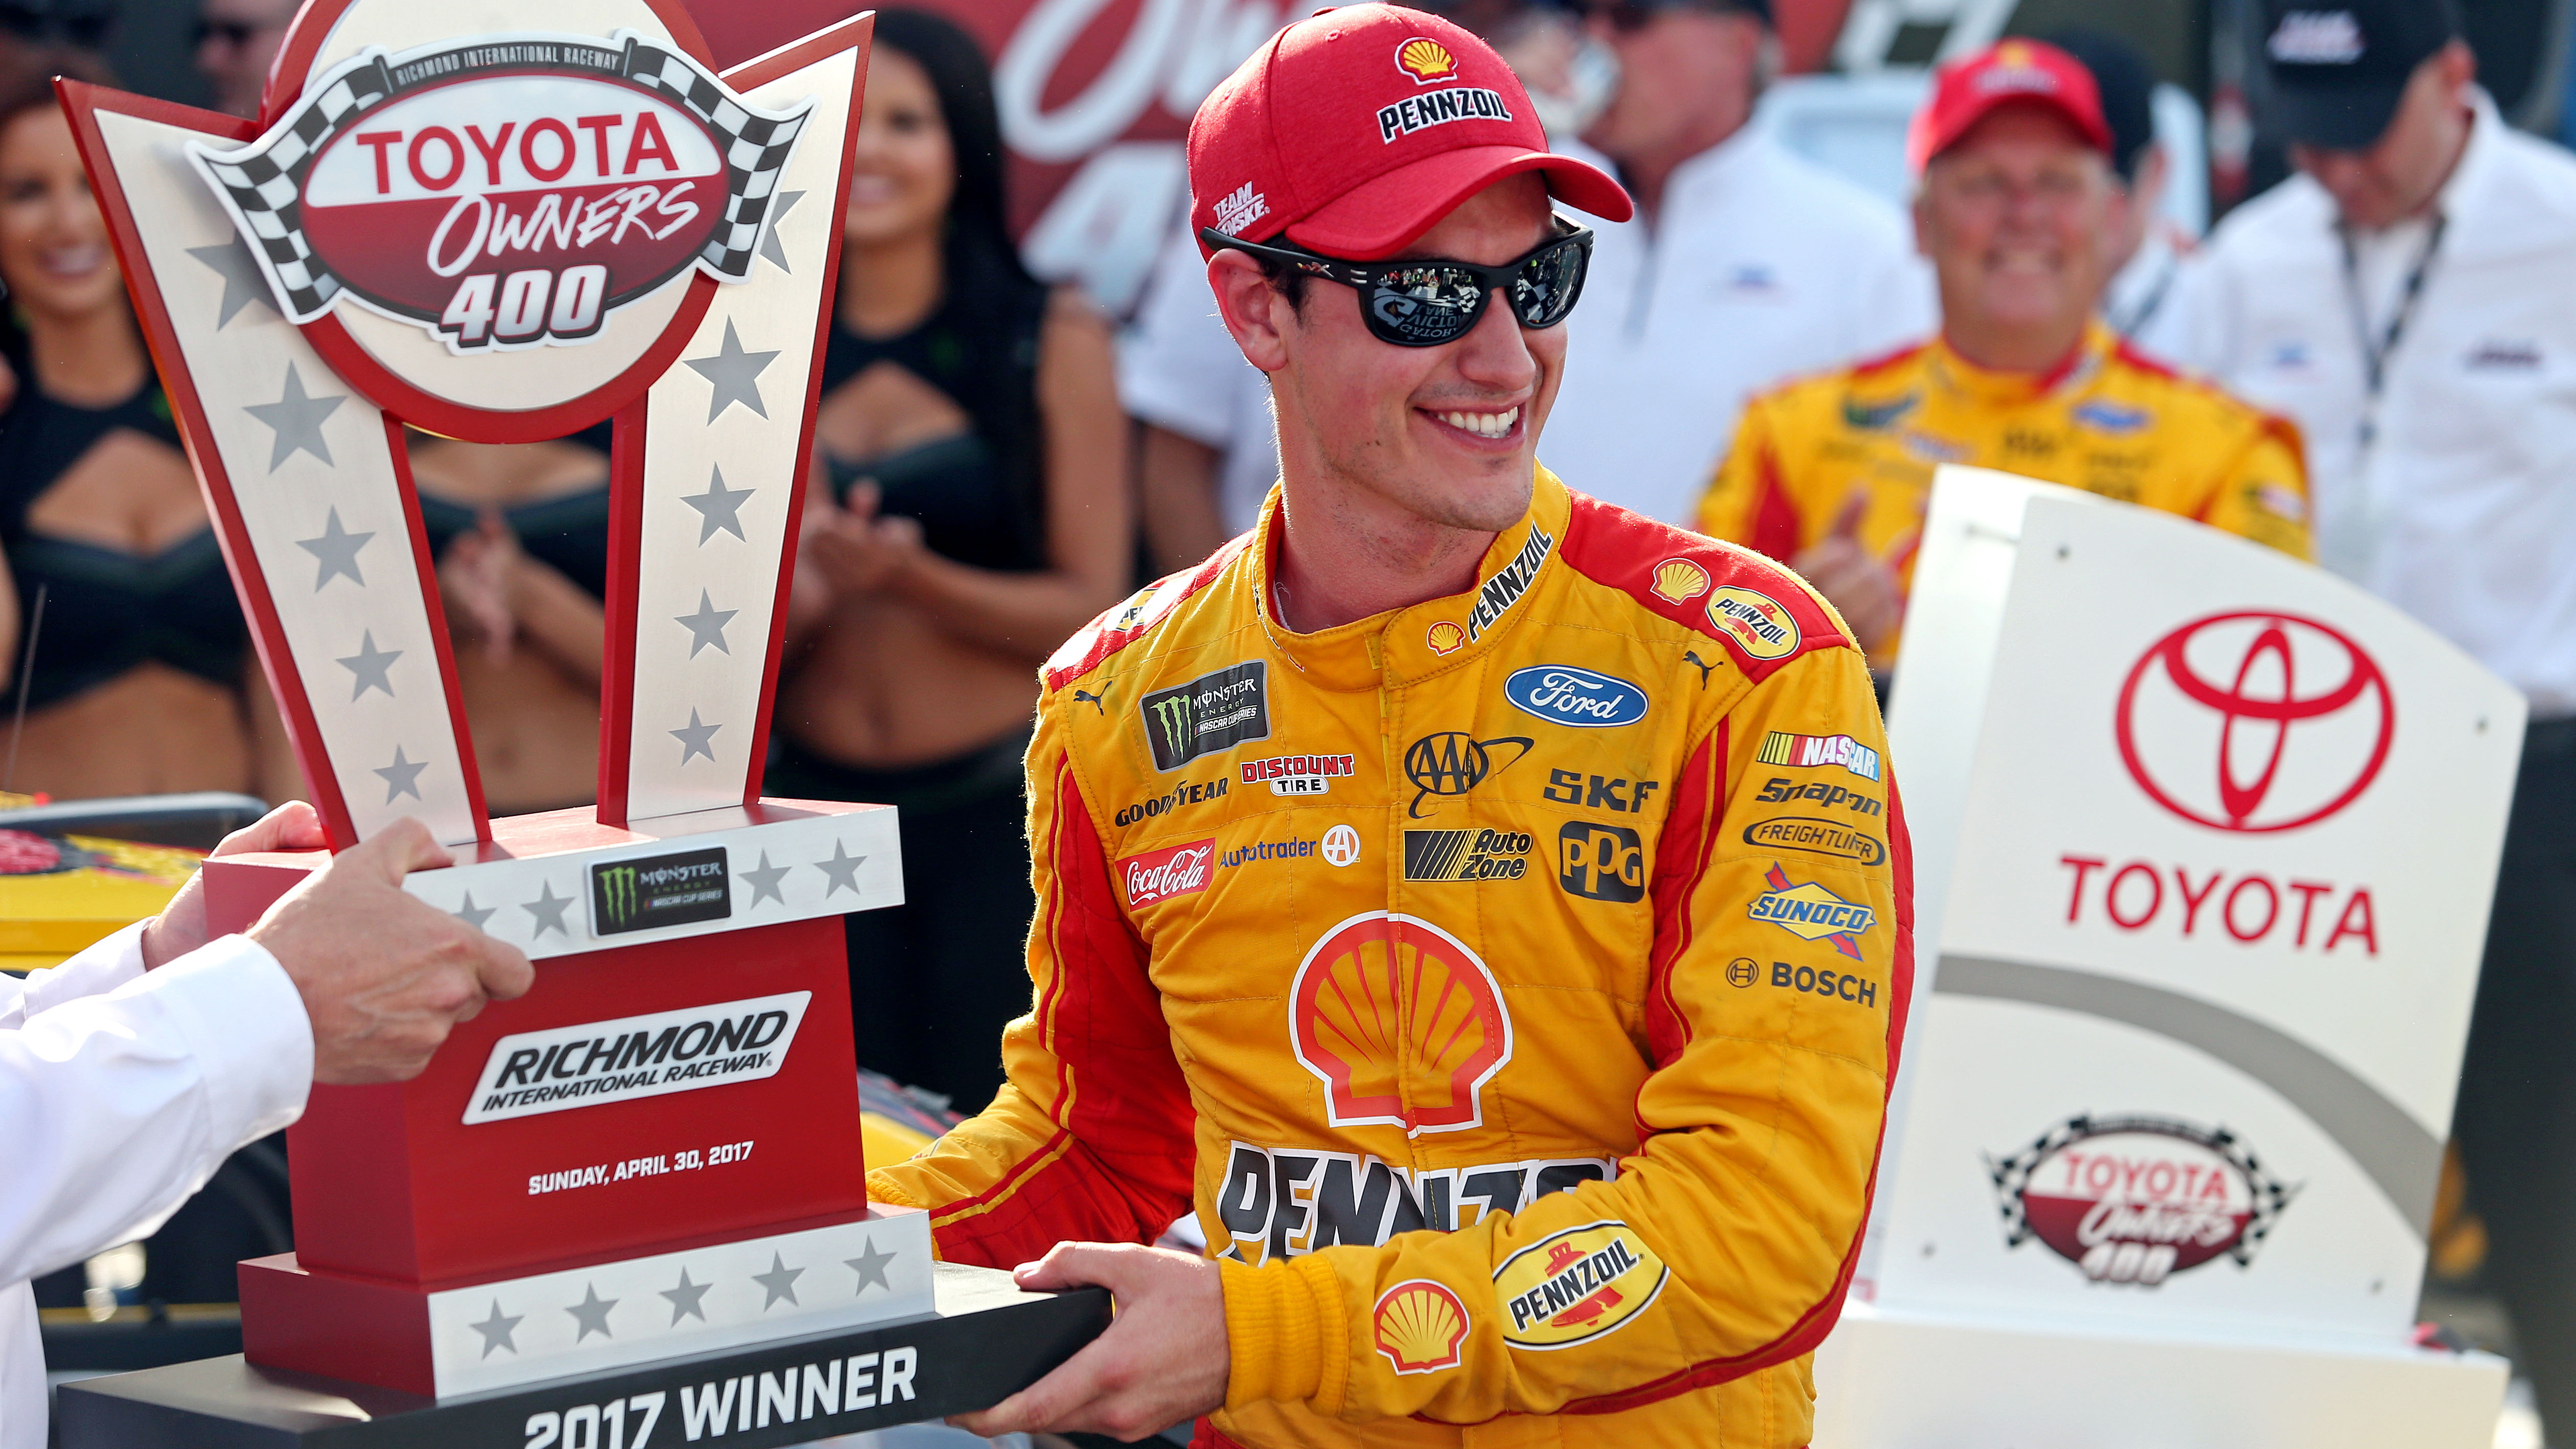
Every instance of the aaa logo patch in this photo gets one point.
(1576, 1286)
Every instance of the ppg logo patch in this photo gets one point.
(660, 890)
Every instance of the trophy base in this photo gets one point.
(489, 1333)
(982, 1341)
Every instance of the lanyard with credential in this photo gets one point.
(2375, 354)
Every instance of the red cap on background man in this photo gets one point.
(1355, 130)
(2010, 72)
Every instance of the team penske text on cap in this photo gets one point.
(2010, 72)
(1355, 130)
(2339, 66)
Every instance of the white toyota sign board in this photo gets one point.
(2207, 839)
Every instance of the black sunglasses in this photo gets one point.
(1430, 302)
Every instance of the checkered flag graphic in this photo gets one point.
(756, 149)
(265, 184)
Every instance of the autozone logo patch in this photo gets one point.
(1439, 108)
(1577, 1285)
(1299, 774)
(1437, 855)
(636, 1056)
(1779, 748)
(1159, 875)
(1513, 579)
(1812, 913)
(508, 192)
(1212, 712)
(1281, 1202)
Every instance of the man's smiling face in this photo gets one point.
(1448, 433)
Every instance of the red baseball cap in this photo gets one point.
(1974, 87)
(1356, 129)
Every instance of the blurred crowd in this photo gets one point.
(2370, 365)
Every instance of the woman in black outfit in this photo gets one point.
(970, 513)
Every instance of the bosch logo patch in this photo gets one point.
(2255, 722)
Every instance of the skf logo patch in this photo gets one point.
(1427, 61)
(1812, 913)
(1420, 1324)
(1576, 1286)
(1401, 1023)
(1678, 581)
(1758, 623)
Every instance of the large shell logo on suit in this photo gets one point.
(1425, 60)
(1678, 581)
(1401, 1023)
(1419, 1326)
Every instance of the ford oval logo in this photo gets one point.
(1568, 695)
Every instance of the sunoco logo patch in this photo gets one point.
(660, 890)
(509, 192)
(1576, 1286)
(564, 1067)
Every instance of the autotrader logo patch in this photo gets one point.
(1210, 713)
(660, 890)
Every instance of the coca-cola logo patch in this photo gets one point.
(505, 193)
(2137, 1199)
(1159, 875)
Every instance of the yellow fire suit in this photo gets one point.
(1513, 981)
(2110, 421)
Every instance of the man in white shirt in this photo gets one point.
(2406, 300)
(129, 1072)
(2146, 251)
(1744, 267)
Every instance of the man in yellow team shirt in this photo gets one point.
(1831, 474)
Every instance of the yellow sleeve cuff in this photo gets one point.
(1286, 1331)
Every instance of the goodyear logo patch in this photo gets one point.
(1576, 1286)
(1758, 623)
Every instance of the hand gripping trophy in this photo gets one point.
(503, 224)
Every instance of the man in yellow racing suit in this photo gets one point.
(1509, 971)
(1832, 474)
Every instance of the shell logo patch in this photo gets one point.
(1759, 624)
(1426, 61)
(1678, 581)
(1401, 1023)
(1444, 638)
(1420, 1325)
(1576, 1286)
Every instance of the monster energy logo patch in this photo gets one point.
(564, 1067)
(660, 890)
(1210, 713)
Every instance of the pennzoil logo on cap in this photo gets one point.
(1427, 61)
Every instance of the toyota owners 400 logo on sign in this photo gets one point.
(2255, 721)
(507, 192)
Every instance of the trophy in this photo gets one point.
(636, 1195)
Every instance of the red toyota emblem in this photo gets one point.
(2255, 721)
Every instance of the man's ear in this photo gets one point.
(1253, 310)
(1921, 210)
(2459, 64)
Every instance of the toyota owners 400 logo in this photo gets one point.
(2255, 721)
